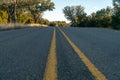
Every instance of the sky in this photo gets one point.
(89, 5)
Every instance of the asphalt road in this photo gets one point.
(101, 46)
(24, 53)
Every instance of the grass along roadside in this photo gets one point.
(4, 27)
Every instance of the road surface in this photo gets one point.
(60, 54)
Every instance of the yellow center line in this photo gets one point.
(92, 68)
(51, 70)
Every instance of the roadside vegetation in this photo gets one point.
(105, 18)
(24, 12)
(59, 24)
(16, 14)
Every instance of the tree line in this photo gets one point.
(27, 11)
(106, 18)
(59, 24)
(24, 11)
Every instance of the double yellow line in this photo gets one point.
(51, 68)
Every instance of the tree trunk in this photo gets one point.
(15, 17)
(35, 18)
(8, 20)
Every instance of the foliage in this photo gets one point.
(58, 23)
(38, 7)
(3, 17)
(25, 18)
(102, 18)
(43, 21)
(106, 17)
(75, 14)
(14, 8)
(116, 14)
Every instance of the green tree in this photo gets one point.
(43, 21)
(116, 14)
(3, 17)
(46, 22)
(75, 14)
(12, 7)
(81, 15)
(37, 7)
(25, 18)
(69, 13)
(58, 24)
(103, 17)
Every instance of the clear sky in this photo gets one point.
(90, 6)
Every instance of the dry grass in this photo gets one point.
(18, 26)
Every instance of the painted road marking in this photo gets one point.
(95, 72)
(51, 69)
